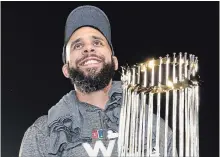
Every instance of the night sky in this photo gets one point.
(32, 35)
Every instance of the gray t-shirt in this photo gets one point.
(76, 129)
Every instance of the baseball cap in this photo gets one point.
(87, 15)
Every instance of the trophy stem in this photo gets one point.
(181, 110)
(127, 122)
(174, 108)
(144, 112)
(122, 115)
(158, 109)
(150, 114)
(197, 121)
(133, 114)
(197, 112)
(167, 107)
(122, 124)
(186, 109)
(136, 150)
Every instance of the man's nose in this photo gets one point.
(89, 48)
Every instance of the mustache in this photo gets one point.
(89, 55)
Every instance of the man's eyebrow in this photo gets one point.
(96, 37)
(75, 41)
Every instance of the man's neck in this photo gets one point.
(97, 98)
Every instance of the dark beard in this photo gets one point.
(94, 81)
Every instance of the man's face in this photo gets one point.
(88, 50)
(90, 61)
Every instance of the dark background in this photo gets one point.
(32, 41)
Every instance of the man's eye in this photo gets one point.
(78, 46)
(98, 43)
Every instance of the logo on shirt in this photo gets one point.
(98, 134)
(99, 146)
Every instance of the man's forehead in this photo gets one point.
(87, 32)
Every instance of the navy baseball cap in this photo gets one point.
(87, 15)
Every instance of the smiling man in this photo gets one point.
(90, 64)
(84, 123)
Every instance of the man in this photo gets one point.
(85, 121)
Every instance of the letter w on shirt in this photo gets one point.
(99, 146)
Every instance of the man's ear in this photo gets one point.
(65, 70)
(115, 60)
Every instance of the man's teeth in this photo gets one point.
(90, 62)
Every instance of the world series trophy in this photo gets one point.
(144, 86)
